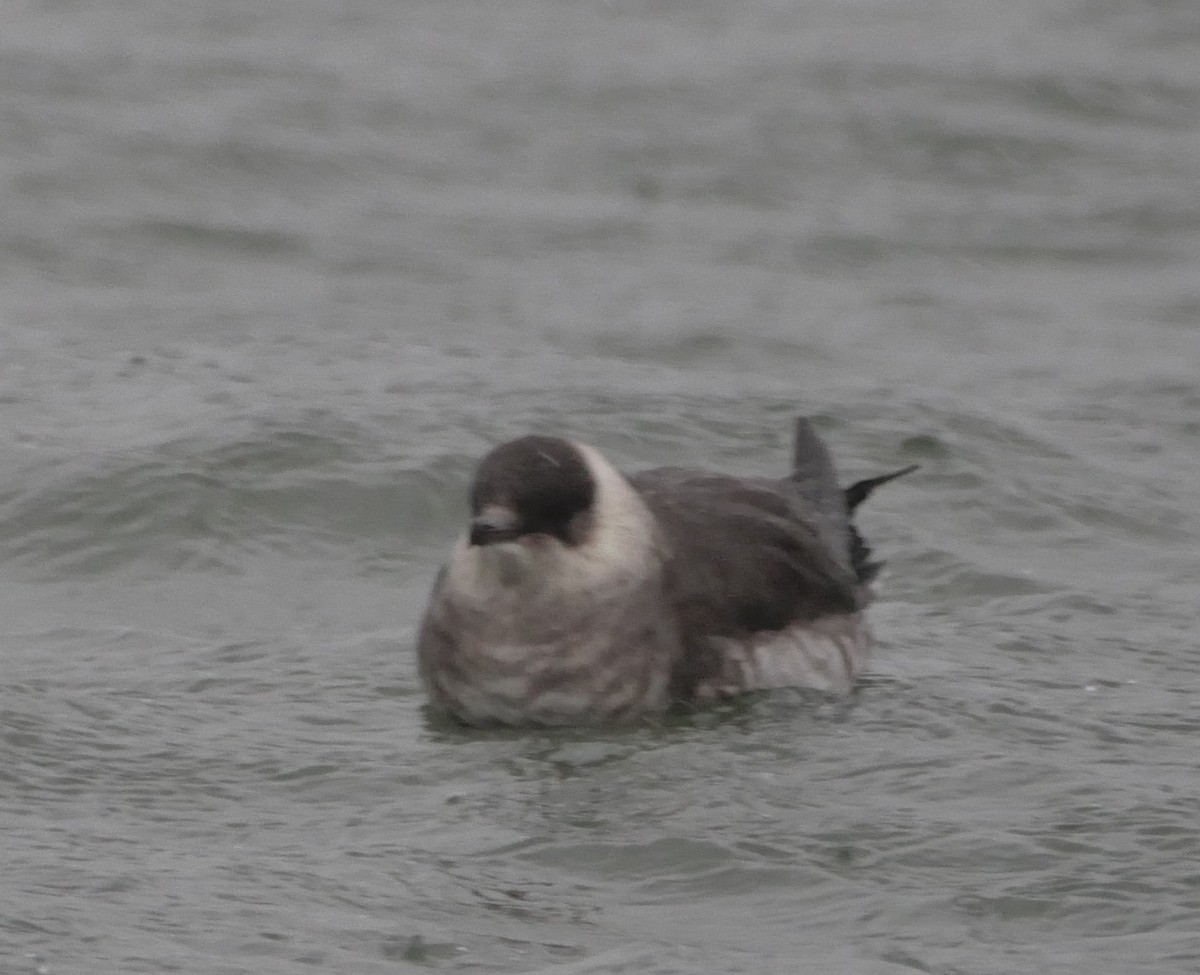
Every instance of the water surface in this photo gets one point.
(274, 276)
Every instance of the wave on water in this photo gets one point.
(200, 505)
(376, 494)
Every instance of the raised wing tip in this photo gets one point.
(808, 449)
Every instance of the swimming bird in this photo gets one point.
(578, 595)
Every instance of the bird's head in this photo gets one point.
(535, 491)
(555, 513)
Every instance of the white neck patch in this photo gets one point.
(621, 543)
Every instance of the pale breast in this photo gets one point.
(576, 663)
(581, 682)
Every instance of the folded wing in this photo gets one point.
(761, 563)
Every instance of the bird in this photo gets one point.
(581, 596)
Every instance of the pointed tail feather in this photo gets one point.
(860, 551)
(859, 491)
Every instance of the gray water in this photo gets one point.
(275, 273)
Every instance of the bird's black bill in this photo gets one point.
(493, 527)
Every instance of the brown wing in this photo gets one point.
(742, 555)
(742, 558)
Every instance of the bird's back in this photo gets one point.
(755, 563)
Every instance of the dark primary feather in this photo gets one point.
(860, 551)
(859, 491)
